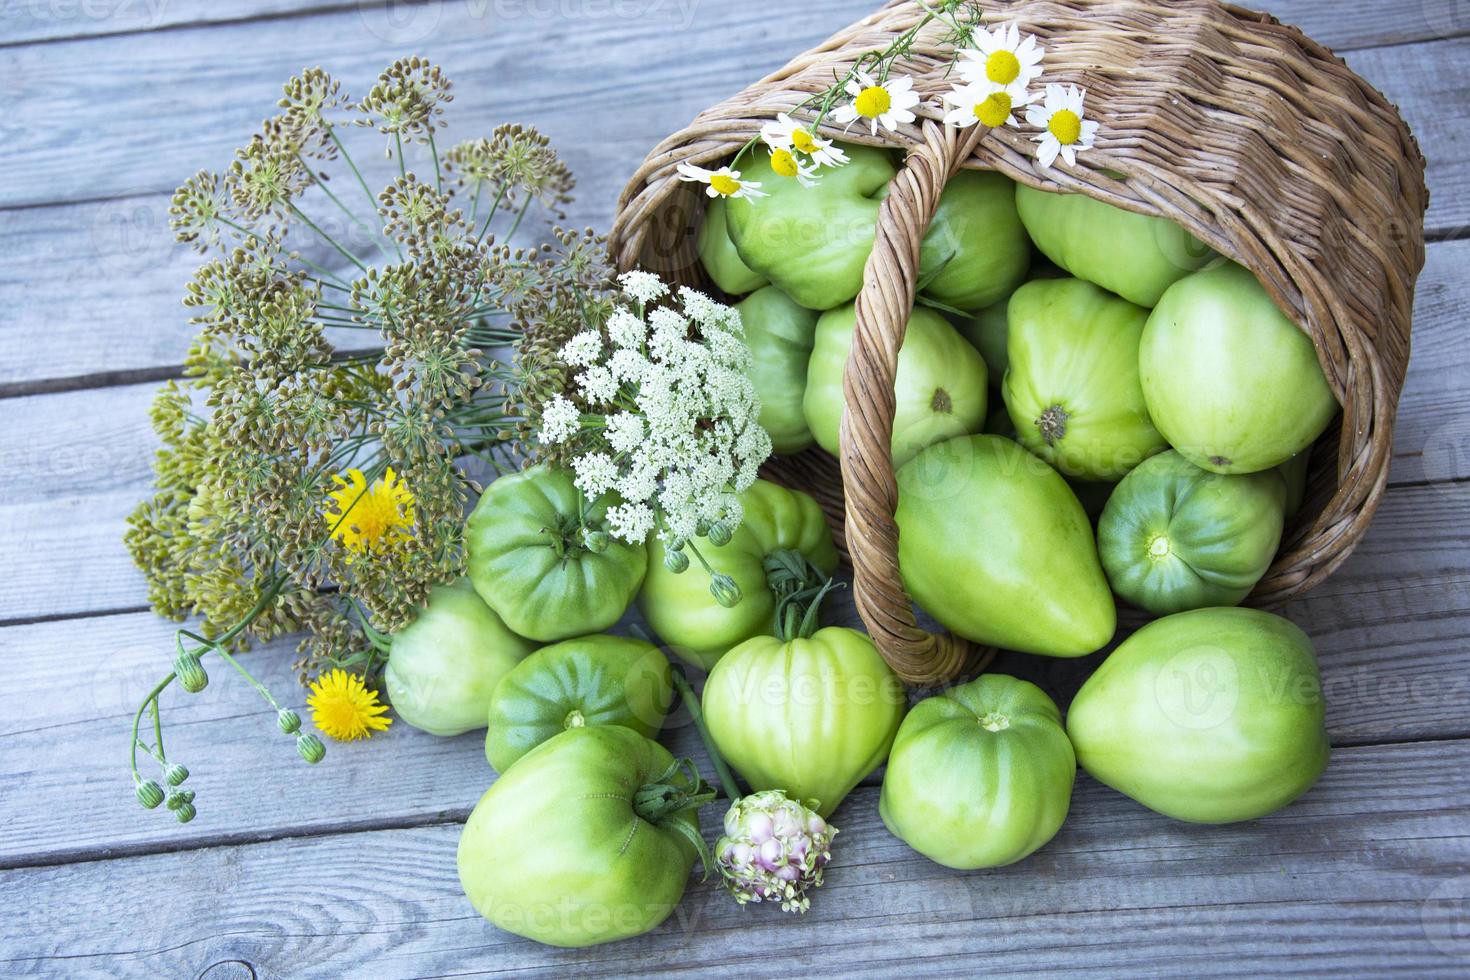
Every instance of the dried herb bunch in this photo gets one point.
(304, 487)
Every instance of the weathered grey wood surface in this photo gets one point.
(348, 869)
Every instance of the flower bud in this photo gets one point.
(677, 543)
(289, 721)
(175, 774)
(720, 534)
(191, 673)
(186, 812)
(676, 562)
(150, 794)
(180, 798)
(596, 541)
(724, 589)
(311, 748)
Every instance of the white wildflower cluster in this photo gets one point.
(661, 414)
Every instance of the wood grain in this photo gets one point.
(1365, 874)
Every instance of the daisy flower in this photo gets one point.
(984, 104)
(788, 134)
(1067, 130)
(787, 164)
(887, 103)
(1002, 58)
(722, 183)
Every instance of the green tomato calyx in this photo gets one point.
(1053, 424)
(574, 719)
(677, 789)
(994, 721)
(1159, 547)
(941, 403)
(799, 588)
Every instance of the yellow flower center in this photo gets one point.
(783, 163)
(995, 110)
(1066, 126)
(724, 183)
(872, 102)
(803, 141)
(1003, 67)
(367, 517)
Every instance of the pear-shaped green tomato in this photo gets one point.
(812, 242)
(994, 545)
(1210, 716)
(976, 250)
(591, 680)
(1176, 537)
(679, 606)
(981, 775)
(780, 335)
(528, 557)
(717, 254)
(576, 844)
(811, 716)
(1133, 255)
(446, 663)
(940, 388)
(1072, 386)
(1230, 381)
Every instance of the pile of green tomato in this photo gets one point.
(1092, 406)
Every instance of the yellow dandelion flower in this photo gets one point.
(343, 707)
(369, 517)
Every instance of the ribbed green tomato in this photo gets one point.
(976, 250)
(811, 716)
(445, 664)
(981, 775)
(1072, 386)
(564, 850)
(940, 388)
(1210, 716)
(1230, 381)
(1133, 255)
(679, 606)
(812, 242)
(529, 561)
(1176, 537)
(717, 254)
(994, 545)
(780, 335)
(591, 680)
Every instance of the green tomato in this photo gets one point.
(563, 850)
(1072, 387)
(1176, 537)
(976, 250)
(981, 775)
(994, 545)
(592, 680)
(1294, 474)
(679, 605)
(529, 562)
(812, 242)
(940, 387)
(989, 330)
(780, 335)
(1229, 380)
(718, 254)
(1209, 716)
(445, 664)
(811, 716)
(1133, 255)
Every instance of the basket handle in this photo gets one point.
(883, 306)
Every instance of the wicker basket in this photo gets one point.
(1245, 132)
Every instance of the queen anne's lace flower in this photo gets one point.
(678, 437)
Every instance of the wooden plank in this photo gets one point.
(217, 83)
(1366, 874)
(1388, 629)
(1344, 28)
